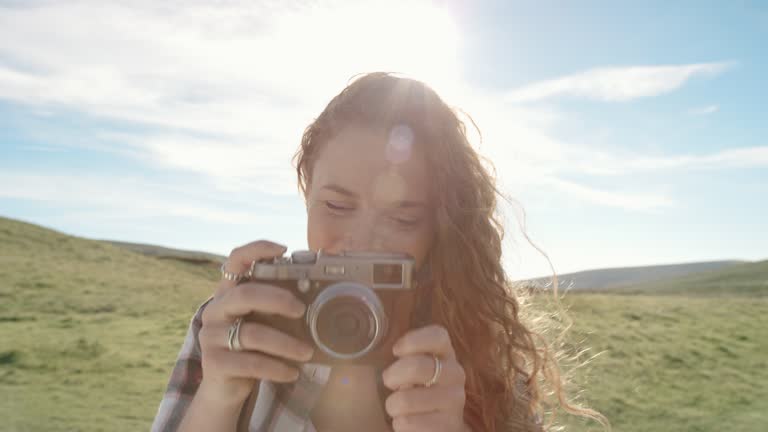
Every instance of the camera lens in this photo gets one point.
(347, 320)
(346, 325)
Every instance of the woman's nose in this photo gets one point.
(364, 236)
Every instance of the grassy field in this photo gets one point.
(673, 363)
(89, 332)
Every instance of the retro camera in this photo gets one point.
(358, 303)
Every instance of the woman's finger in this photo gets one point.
(251, 297)
(432, 339)
(417, 369)
(241, 258)
(251, 365)
(423, 400)
(427, 422)
(261, 338)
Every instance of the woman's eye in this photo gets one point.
(338, 206)
(406, 222)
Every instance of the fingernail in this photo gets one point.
(397, 348)
(300, 309)
(308, 353)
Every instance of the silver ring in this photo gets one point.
(233, 336)
(235, 277)
(436, 376)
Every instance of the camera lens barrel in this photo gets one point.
(347, 320)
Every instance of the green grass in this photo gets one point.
(671, 363)
(89, 333)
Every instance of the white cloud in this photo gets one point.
(232, 164)
(603, 164)
(232, 84)
(224, 89)
(236, 66)
(616, 84)
(227, 88)
(704, 110)
(646, 202)
(128, 198)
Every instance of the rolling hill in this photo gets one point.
(623, 277)
(89, 332)
(677, 278)
(709, 278)
(739, 279)
(674, 278)
(194, 257)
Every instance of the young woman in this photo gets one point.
(385, 167)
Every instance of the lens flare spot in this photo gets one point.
(400, 144)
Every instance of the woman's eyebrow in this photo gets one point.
(397, 204)
(339, 189)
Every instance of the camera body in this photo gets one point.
(358, 303)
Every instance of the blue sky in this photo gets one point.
(632, 133)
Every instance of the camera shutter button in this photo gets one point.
(303, 285)
(303, 257)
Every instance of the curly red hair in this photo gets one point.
(506, 362)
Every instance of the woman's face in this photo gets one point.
(369, 191)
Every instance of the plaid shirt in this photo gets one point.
(278, 407)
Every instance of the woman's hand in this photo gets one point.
(229, 376)
(413, 406)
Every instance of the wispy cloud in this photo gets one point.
(222, 89)
(642, 201)
(128, 198)
(603, 164)
(704, 110)
(616, 84)
(225, 90)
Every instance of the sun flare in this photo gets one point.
(415, 39)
